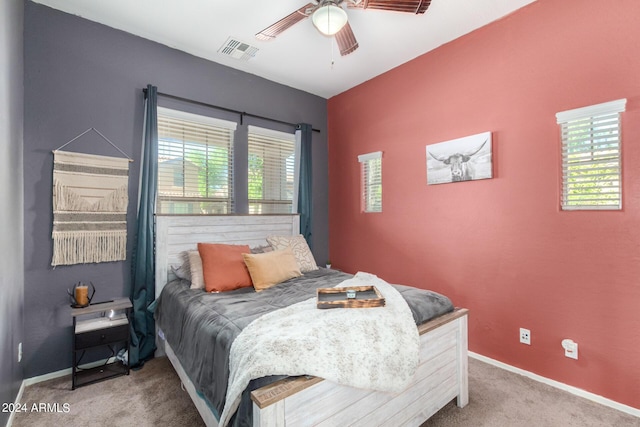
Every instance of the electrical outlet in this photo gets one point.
(19, 352)
(570, 348)
(525, 336)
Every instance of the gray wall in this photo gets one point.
(79, 74)
(11, 200)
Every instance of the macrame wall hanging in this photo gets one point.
(90, 198)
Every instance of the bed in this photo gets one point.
(441, 375)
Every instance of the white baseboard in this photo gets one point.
(63, 372)
(571, 389)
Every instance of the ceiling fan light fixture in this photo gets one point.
(329, 18)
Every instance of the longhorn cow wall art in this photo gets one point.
(462, 159)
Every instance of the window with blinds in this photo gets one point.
(371, 181)
(271, 171)
(195, 164)
(591, 169)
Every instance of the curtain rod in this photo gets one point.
(229, 110)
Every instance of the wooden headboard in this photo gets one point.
(175, 234)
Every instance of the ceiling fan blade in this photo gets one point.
(272, 31)
(346, 40)
(416, 7)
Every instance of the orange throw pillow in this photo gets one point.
(223, 267)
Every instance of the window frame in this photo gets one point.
(290, 138)
(366, 184)
(189, 202)
(603, 140)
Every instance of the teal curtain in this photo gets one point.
(305, 183)
(143, 288)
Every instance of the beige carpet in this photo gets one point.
(152, 397)
(148, 397)
(500, 398)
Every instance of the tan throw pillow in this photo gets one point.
(269, 269)
(195, 267)
(300, 249)
(223, 267)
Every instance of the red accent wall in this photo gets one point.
(502, 247)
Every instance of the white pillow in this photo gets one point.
(195, 265)
(191, 269)
(300, 249)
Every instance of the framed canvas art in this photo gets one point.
(462, 159)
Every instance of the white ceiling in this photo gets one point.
(300, 57)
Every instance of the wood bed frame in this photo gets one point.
(310, 401)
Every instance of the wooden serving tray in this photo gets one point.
(366, 296)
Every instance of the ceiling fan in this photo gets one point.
(331, 19)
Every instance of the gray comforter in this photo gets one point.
(201, 326)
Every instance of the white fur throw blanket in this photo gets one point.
(370, 348)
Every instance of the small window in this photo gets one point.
(195, 172)
(591, 161)
(371, 181)
(271, 171)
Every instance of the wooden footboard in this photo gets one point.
(310, 401)
(441, 376)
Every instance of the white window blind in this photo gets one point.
(195, 164)
(591, 157)
(371, 181)
(271, 171)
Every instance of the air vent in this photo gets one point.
(238, 50)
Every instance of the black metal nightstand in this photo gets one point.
(96, 332)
